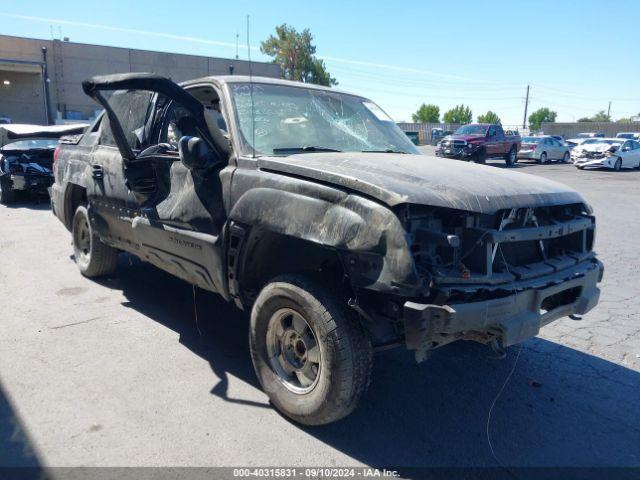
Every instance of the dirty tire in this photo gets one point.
(344, 346)
(618, 165)
(511, 157)
(480, 156)
(7, 193)
(93, 257)
(543, 158)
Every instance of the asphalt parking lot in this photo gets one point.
(119, 372)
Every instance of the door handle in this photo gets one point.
(97, 172)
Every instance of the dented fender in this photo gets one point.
(368, 235)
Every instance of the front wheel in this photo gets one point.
(566, 157)
(93, 257)
(618, 165)
(312, 356)
(480, 156)
(7, 193)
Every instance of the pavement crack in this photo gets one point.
(75, 323)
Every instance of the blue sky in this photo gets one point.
(575, 55)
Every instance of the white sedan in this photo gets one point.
(614, 153)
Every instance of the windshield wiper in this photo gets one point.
(307, 148)
(388, 150)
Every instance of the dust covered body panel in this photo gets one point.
(285, 178)
(421, 180)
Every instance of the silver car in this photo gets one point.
(543, 149)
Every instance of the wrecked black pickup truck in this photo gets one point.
(26, 157)
(309, 208)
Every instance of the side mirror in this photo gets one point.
(195, 154)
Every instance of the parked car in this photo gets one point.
(26, 155)
(5, 120)
(614, 153)
(543, 149)
(576, 142)
(590, 135)
(324, 222)
(629, 135)
(479, 141)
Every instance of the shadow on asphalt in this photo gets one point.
(16, 448)
(562, 407)
(32, 202)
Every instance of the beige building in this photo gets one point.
(40, 80)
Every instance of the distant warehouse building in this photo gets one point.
(40, 80)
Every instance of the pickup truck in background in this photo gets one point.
(479, 141)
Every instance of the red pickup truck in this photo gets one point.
(479, 141)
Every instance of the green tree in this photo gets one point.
(427, 114)
(295, 53)
(601, 116)
(584, 119)
(489, 117)
(458, 114)
(539, 116)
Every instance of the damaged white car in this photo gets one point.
(614, 153)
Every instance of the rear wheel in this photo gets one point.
(312, 356)
(7, 193)
(93, 257)
(543, 158)
(512, 157)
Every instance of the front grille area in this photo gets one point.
(520, 239)
(591, 155)
(454, 143)
(511, 245)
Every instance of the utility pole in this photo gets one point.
(526, 107)
(45, 86)
(609, 110)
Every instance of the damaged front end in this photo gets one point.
(498, 278)
(27, 154)
(28, 171)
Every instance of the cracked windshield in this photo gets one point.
(292, 120)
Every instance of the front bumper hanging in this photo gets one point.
(511, 319)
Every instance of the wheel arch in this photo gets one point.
(268, 254)
(74, 196)
(324, 230)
